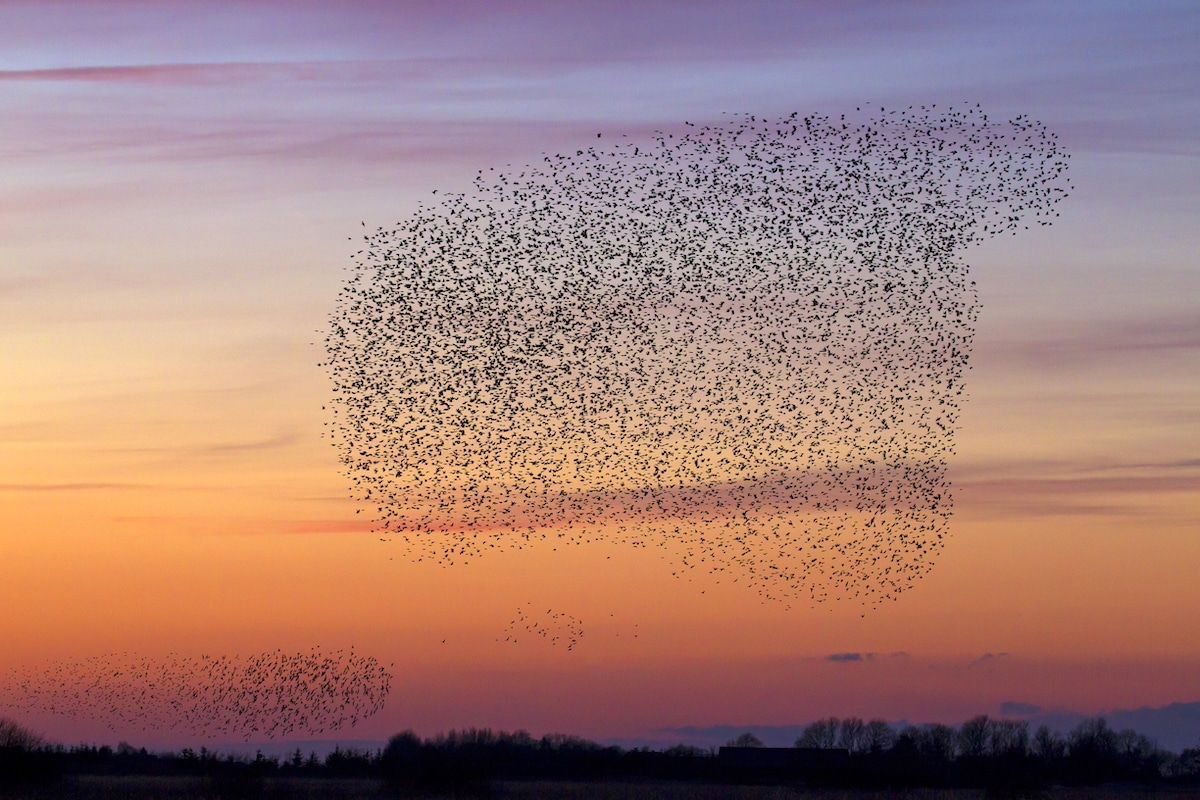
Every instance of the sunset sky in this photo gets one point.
(183, 185)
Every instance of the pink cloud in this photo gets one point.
(481, 143)
(885, 490)
(1094, 340)
(1088, 496)
(82, 486)
(340, 71)
(1085, 486)
(249, 526)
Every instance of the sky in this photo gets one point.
(184, 185)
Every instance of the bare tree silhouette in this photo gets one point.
(879, 736)
(1008, 737)
(1048, 745)
(973, 736)
(747, 739)
(852, 734)
(822, 734)
(15, 735)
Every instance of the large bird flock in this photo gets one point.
(743, 343)
(271, 695)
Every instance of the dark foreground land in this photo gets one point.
(192, 788)
(833, 760)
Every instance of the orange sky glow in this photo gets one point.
(172, 242)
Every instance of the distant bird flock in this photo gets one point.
(742, 343)
(555, 627)
(267, 696)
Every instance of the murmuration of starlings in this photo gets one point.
(743, 344)
(263, 696)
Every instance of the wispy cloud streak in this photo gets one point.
(231, 73)
(1099, 340)
(83, 486)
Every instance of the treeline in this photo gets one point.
(995, 752)
(457, 760)
(980, 752)
(47, 763)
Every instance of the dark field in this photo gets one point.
(188, 788)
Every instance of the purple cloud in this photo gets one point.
(1099, 341)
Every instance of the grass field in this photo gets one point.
(175, 788)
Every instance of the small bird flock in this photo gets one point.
(556, 627)
(271, 695)
(742, 343)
